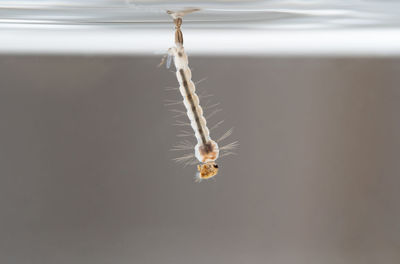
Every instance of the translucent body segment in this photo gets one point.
(169, 60)
(206, 149)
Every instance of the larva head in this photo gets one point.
(207, 170)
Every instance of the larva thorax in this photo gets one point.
(207, 152)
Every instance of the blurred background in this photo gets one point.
(310, 87)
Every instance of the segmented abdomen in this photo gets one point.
(206, 149)
(191, 100)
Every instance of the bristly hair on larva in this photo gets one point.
(206, 151)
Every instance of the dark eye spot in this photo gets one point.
(216, 166)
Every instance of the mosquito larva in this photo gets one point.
(206, 150)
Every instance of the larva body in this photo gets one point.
(206, 149)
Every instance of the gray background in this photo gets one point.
(86, 174)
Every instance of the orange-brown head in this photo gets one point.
(206, 171)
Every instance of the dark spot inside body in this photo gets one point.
(208, 148)
(216, 166)
(180, 54)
